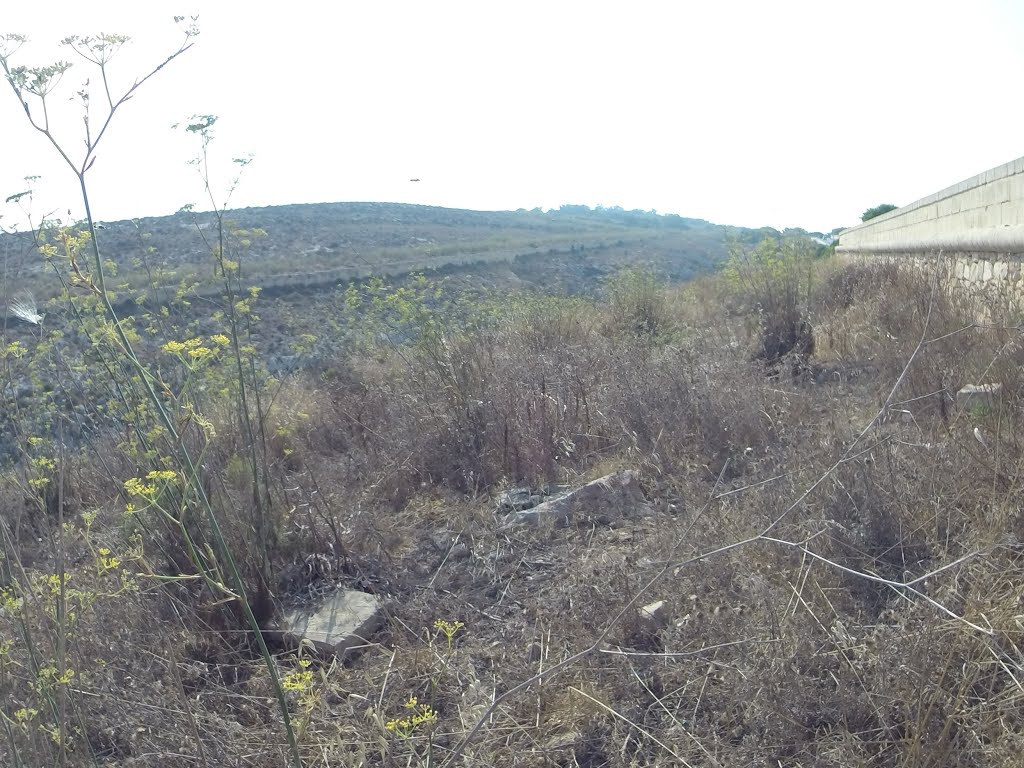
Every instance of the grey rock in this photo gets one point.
(979, 395)
(345, 621)
(603, 502)
(520, 499)
(654, 615)
(517, 499)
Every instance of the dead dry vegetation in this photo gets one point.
(837, 545)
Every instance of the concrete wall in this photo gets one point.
(980, 216)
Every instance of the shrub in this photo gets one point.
(772, 282)
(637, 304)
(878, 210)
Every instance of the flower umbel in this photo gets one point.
(422, 716)
(448, 629)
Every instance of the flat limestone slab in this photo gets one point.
(612, 497)
(345, 620)
(979, 395)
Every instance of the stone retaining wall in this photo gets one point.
(983, 213)
(976, 228)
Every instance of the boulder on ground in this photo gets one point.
(601, 502)
(340, 624)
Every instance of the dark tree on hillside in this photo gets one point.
(878, 210)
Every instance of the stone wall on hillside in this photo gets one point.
(984, 213)
(975, 229)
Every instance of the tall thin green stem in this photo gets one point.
(46, 79)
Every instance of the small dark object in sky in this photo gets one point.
(413, 179)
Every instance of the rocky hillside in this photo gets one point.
(310, 246)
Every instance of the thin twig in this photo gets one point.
(895, 585)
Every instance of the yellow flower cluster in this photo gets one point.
(178, 347)
(10, 603)
(298, 681)
(49, 675)
(193, 350)
(44, 466)
(421, 715)
(14, 349)
(448, 629)
(147, 490)
(141, 488)
(107, 561)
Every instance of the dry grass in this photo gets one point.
(840, 589)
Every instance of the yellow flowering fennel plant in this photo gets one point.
(420, 717)
(448, 629)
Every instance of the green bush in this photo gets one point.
(637, 303)
(878, 210)
(772, 283)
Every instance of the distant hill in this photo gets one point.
(302, 247)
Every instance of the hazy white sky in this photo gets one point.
(752, 113)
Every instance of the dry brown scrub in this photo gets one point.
(839, 558)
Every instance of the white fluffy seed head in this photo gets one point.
(23, 306)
